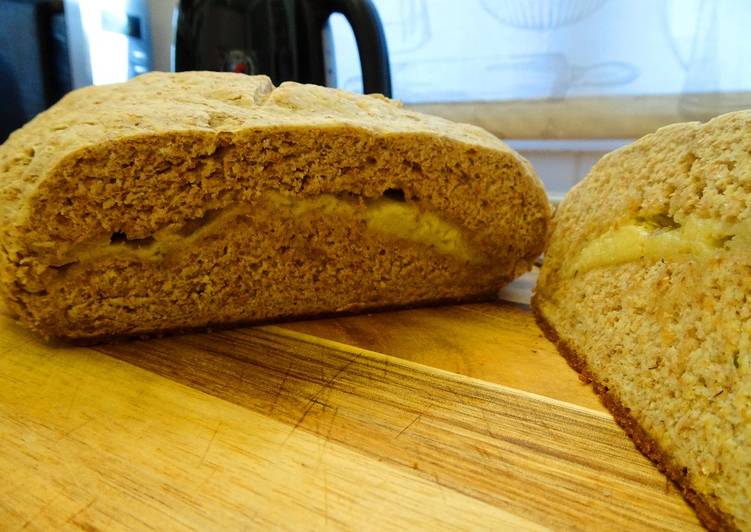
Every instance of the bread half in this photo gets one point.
(179, 201)
(646, 289)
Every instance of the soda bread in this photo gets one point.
(646, 289)
(177, 201)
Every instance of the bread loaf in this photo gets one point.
(180, 201)
(646, 289)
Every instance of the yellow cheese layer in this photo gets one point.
(384, 215)
(691, 236)
(387, 216)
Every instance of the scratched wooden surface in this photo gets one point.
(457, 417)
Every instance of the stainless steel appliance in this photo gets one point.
(109, 40)
(48, 47)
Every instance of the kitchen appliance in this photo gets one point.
(110, 41)
(48, 47)
(34, 70)
(284, 39)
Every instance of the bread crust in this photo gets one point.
(709, 516)
(129, 164)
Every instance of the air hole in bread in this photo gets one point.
(62, 268)
(122, 238)
(395, 194)
(723, 241)
(663, 221)
(118, 237)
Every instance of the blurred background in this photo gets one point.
(563, 81)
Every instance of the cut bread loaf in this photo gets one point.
(646, 289)
(179, 201)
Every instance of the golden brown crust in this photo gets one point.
(708, 515)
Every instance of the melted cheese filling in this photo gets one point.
(641, 239)
(383, 215)
(387, 216)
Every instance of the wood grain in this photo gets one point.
(92, 443)
(271, 428)
(495, 342)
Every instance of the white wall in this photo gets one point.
(563, 163)
(445, 50)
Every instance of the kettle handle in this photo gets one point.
(371, 42)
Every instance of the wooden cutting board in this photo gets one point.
(459, 417)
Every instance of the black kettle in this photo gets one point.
(284, 39)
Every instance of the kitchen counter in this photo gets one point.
(600, 117)
(457, 417)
